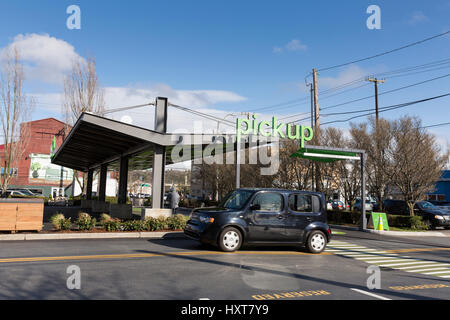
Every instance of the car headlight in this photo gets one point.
(439, 217)
(206, 219)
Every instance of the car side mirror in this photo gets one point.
(255, 207)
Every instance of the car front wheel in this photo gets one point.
(230, 239)
(316, 242)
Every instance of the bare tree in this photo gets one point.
(293, 172)
(417, 158)
(375, 138)
(16, 109)
(82, 93)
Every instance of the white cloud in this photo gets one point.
(46, 58)
(117, 97)
(293, 45)
(350, 74)
(418, 17)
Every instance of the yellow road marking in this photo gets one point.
(419, 287)
(190, 253)
(146, 255)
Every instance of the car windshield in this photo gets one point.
(236, 199)
(426, 204)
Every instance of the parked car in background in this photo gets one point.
(329, 205)
(338, 205)
(368, 205)
(398, 207)
(432, 215)
(24, 192)
(263, 216)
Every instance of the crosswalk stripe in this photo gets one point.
(438, 272)
(383, 258)
(382, 261)
(424, 265)
(429, 269)
(400, 264)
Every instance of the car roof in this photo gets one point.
(279, 190)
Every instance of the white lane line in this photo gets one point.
(424, 266)
(370, 294)
(445, 276)
(438, 272)
(428, 269)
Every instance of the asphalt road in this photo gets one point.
(410, 268)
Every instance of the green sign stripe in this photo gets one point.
(330, 152)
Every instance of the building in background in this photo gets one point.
(442, 193)
(35, 170)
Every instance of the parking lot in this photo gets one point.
(411, 268)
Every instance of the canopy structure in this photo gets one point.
(95, 142)
(327, 155)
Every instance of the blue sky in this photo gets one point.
(232, 56)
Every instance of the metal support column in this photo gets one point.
(159, 155)
(363, 221)
(90, 176)
(102, 182)
(123, 181)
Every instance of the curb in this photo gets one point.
(103, 235)
(393, 233)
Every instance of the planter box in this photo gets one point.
(21, 214)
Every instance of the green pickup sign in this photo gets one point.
(274, 129)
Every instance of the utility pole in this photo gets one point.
(376, 81)
(378, 152)
(311, 91)
(316, 124)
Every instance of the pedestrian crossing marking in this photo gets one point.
(390, 259)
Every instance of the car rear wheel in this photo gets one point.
(316, 242)
(230, 239)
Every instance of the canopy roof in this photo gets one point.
(95, 140)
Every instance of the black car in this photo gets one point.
(263, 216)
(432, 215)
(398, 207)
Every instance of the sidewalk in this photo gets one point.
(394, 233)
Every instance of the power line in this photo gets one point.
(385, 92)
(386, 52)
(389, 108)
(436, 125)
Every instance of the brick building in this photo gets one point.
(35, 170)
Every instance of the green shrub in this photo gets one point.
(133, 225)
(176, 222)
(59, 222)
(155, 224)
(85, 221)
(112, 225)
(340, 217)
(104, 218)
(411, 222)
